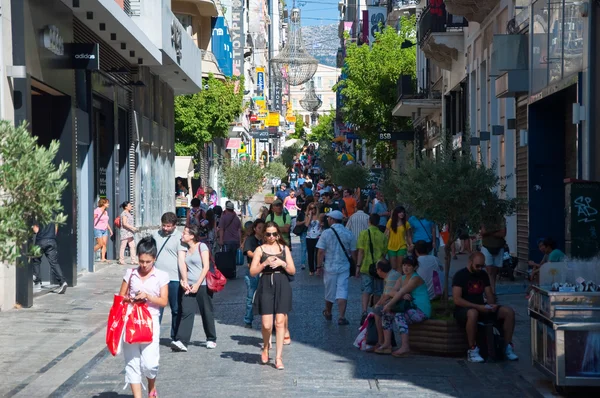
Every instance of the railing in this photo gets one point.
(406, 87)
(437, 20)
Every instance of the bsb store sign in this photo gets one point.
(70, 55)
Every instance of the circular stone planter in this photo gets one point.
(269, 199)
(438, 337)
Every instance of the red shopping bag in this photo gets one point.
(138, 329)
(215, 280)
(116, 325)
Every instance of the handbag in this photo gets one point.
(116, 325)
(437, 285)
(215, 280)
(373, 265)
(239, 256)
(118, 221)
(139, 325)
(348, 257)
(403, 306)
(300, 228)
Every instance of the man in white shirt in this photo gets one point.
(358, 221)
(428, 264)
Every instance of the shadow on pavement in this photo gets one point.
(248, 340)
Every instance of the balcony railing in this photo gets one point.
(406, 87)
(437, 20)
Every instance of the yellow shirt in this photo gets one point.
(397, 240)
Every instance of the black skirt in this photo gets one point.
(273, 295)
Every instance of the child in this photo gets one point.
(390, 277)
(139, 286)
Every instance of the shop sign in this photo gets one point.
(272, 119)
(52, 40)
(263, 140)
(102, 182)
(277, 93)
(84, 56)
(259, 134)
(237, 36)
(291, 119)
(395, 136)
(274, 132)
(262, 115)
(260, 79)
(377, 17)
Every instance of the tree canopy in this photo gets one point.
(369, 88)
(324, 130)
(201, 117)
(299, 132)
(242, 180)
(31, 188)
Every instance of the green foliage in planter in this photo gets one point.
(288, 154)
(352, 176)
(242, 180)
(276, 169)
(269, 195)
(441, 310)
(31, 188)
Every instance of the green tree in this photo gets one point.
(352, 176)
(288, 153)
(276, 169)
(369, 89)
(201, 117)
(299, 132)
(324, 130)
(455, 191)
(242, 180)
(31, 187)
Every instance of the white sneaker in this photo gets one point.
(61, 289)
(211, 345)
(178, 346)
(510, 354)
(473, 355)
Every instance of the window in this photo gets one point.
(186, 21)
(330, 83)
(295, 103)
(331, 104)
(318, 82)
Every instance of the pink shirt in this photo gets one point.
(102, 224)
(152, 285)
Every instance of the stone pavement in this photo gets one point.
(57, 349)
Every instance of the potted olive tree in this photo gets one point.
(241, 181)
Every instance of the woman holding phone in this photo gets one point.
(273, 262)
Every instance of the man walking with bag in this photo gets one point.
(46, 240)
(337, 256)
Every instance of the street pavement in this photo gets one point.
(57, 349)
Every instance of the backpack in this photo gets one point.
(118, 221)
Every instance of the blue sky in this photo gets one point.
(315, 12)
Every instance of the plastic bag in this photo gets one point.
(116, 325)
(437, 285)
(139, 325)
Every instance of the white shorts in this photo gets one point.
(493, 260)
(336, 286)
(142, 359)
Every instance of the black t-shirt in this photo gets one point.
(46, 232)
(472, 284)
(250, 245)
(326, 208)
(340, 204)
(293, 176)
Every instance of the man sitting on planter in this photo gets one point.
(468, 288)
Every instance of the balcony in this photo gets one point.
(211, 65)
(472, 10)
(400, 8)
(440, 36)
(206, 8)
(412, 102)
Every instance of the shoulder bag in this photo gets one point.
(373, 265)
(215, 280)
(349, 257)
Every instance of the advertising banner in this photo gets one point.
(272, 119)
(377, 18)
(260, 79)
(222, 46)
(238, 40)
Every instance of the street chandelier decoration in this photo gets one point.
(310, 102)
(299, 65)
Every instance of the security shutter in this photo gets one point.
(522, 183)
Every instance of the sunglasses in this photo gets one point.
(273, 234)
(479, 266)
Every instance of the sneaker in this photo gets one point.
(211, 345)
(248, 326)
(303, 267)
(473, 355)
(510, 354)
(178, 346)
(61, 289)
(37, 281)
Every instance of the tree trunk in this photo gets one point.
(447, 264)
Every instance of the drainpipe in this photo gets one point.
(3, 66)
(589, 171)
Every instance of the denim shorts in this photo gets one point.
(371, 285)
(100, 233)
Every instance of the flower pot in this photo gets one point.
(269, 199)
(438, 337)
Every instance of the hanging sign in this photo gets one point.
(272, 119)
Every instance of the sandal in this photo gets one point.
(383, 351)
(262, 357)
(343, 322)
(327, 316)
(287, 340)
(401, 355)
(280, 366)
(121, 262)
(153, 394)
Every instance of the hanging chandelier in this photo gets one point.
(293, 64)
(310, 102)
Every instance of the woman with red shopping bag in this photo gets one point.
(146, 289)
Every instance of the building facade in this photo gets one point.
(324, 79)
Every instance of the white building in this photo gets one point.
(324, 80)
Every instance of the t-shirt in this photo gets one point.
(308, 191)
(301, 181)
(493, 242)
(46, 232)
(421, 229)
(152, 285)
(350, 203)
(167, 256)
(472, 284)
(195, 265)
(428, 264)
(397, 240)
(380, 207)
(102, 223)
(379, 241)
(250, 245)
(282, 220)
(556, 256)
(282, 194)
(232, 227)
(293, 176)
(390, 281)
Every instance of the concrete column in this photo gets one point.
(483, 117)
(496, 141)
(510, 156)
(473, 113)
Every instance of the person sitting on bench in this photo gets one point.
(468, 287)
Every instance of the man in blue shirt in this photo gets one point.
(283, 192)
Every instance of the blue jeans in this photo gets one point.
(251, 285)
(303, 250)
(174, 304)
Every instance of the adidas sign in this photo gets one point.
(85, 56)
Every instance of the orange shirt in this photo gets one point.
(350, 206)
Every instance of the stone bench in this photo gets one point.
(438, 337)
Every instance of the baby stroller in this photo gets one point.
(509, 263)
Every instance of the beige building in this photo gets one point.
(324, 79)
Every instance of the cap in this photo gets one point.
(277, 202)
(336, 214)
(229, 205)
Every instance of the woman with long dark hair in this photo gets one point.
(399, 240)
(313, 233)
(273, 261)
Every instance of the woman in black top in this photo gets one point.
(273, 261)
(249, 246)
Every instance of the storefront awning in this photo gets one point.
(184, 166)
(233, 143)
